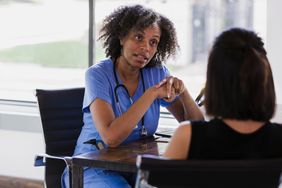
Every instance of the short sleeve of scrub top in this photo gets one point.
(96, 86)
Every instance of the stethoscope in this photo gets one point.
(143, 131)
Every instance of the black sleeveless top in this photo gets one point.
(216, 140)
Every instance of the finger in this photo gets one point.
(169, 86)
(181, 89)
(161, 83)
(177, 85)
(172, 96)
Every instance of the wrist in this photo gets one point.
(185, 95)
(183, 92)
(153, 91)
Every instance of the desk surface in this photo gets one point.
(122, 158)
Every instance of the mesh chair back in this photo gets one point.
(165, 173)
(61, 117)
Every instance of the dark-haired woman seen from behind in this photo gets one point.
(240, 99)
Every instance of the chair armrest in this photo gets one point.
(40, 159)
(99, 144)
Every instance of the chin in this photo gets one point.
(140, 64)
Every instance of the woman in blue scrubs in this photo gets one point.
(124, 92)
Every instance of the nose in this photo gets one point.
(145, 46)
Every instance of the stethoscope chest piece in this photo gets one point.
(143, 131)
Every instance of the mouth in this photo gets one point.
(141, 58)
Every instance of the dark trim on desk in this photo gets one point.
(110, 165)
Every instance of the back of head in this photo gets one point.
(239, 78)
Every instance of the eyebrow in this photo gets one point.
(157, 36)
(142, 31)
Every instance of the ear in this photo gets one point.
(121, 41)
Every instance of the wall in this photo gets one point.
(274, 42)
(20, 139)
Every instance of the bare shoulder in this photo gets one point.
(178, 147)
(183, 130)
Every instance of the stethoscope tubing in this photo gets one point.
(118, 85)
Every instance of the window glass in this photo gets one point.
(44, 44)
(197, 24)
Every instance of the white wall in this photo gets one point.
(274, 49)
(274, 43)
(20, 139)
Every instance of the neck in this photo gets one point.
(126, 71)
(244, 126)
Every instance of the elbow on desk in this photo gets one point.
(111, 142)
(112, 145)
(112, 139)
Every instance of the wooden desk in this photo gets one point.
(122, 158)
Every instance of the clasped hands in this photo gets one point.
(170, 87)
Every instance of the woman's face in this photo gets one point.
(140, 46)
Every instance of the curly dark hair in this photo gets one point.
(119, 23)
(239, 78)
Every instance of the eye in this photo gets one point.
(138, 37)
(154, 42)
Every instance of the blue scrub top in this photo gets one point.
(100, 83)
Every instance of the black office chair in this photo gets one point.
(61, 117)
(154, 171)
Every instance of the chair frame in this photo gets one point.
(41, 158)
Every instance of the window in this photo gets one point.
(197, 23)
(44, 44)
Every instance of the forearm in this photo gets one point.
(121, 127)
(191, 111)
(185, 107)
